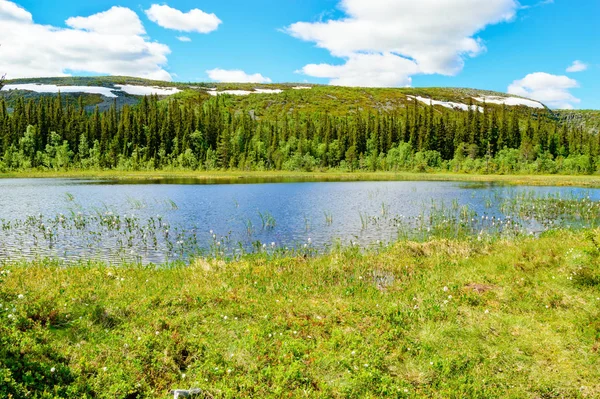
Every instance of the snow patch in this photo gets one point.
(301, 88)
(148, 90)
(511, 101)
(42, 88)
(445, 104)
(268, 91)
(245, 92)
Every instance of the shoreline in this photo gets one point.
(216, 177)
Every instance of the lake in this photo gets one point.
(151, 222)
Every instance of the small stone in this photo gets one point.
(186, 393)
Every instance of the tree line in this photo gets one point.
(196, 133)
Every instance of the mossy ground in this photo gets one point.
(441, 319)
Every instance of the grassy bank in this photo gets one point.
(590, 181)
(442, 319)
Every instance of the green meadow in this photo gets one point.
(498, 318)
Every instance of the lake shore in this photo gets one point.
(437, 319)
(184, 176)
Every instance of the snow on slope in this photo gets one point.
(511, 101)
(451, 105)
(41, 88)
(244, 92)
(147, 90)
(105, 91)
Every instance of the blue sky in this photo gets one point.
(501, 45)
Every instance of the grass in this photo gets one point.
(439, 319)
(182, 176)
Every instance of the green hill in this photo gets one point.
(132, 123)
(330, 99)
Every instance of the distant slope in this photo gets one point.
(274, 99)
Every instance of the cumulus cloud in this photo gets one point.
(192, 21)
(116, 21)
(111, 42)
(432, 36)
(184, 39)
(374, 70)
(577, 66)
(551, 90)
(11, 12)
(236, 76)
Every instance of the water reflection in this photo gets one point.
(235, 217)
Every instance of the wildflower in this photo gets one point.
(445, 289)
(273, 244)
(183, 376)
(264, 246)
(52, 370)
(20, 296)
(224, 317)
(157, 332)
(486, 311)
(309, 240)
(449, 296)
(104, 368)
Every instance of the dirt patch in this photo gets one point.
(480, 288)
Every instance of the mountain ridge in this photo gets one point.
(336, 100)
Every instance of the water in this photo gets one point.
(224, 218)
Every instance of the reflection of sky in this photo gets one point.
(298, 208)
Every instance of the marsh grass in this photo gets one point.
(440, 319)
(106, 235)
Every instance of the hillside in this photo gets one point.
(274, 99)
(133, 123)
(96, 90)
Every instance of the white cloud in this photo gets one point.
(432, 36)
(577, 66)
(116, 21)
(236, 76)
(184, 39)
(110, 42)
(375, 70)
(192, 21)
(12, 12)
(552, 90)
